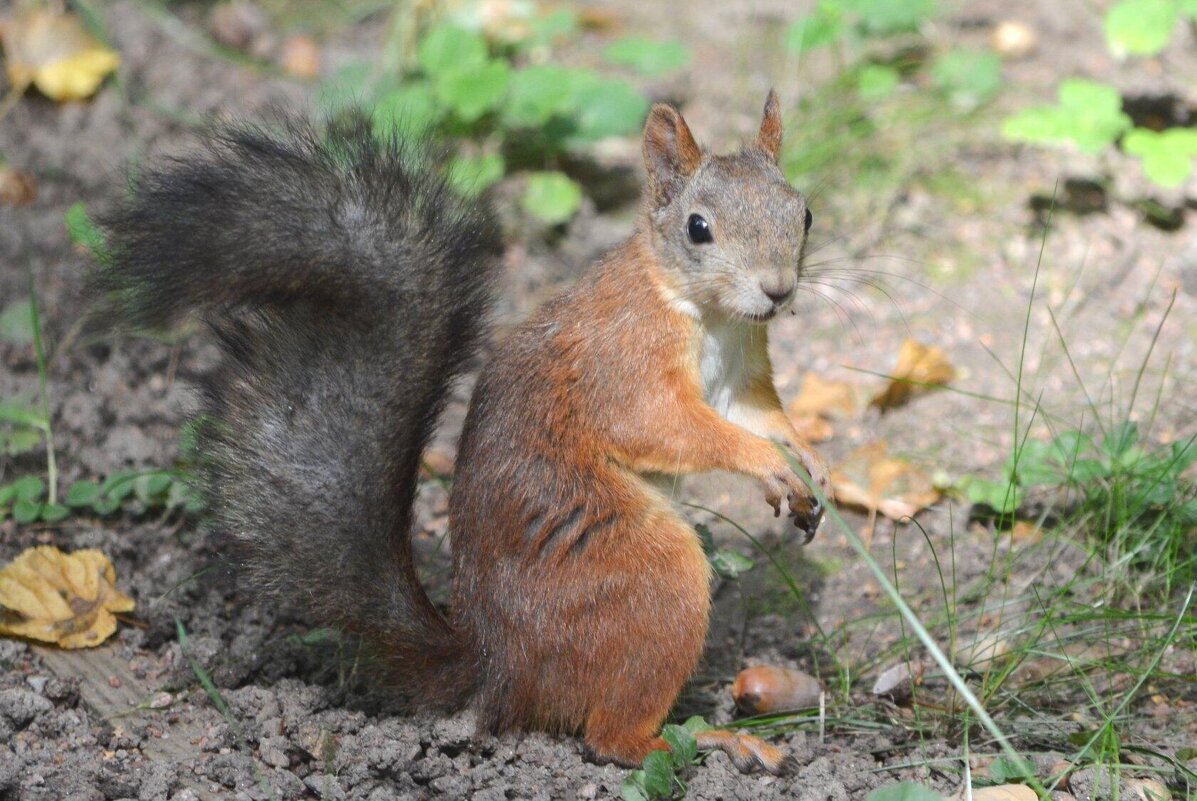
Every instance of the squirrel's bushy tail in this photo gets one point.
(347, 287)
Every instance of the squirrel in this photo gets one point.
(347, 287)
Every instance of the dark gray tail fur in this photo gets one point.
(347, 287)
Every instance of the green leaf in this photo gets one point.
(407, 111)
(29, 488)
(632, 788)
(20, 416)
(695, 723)
(189, 436)
(105, 506)
(1120, 439)
(885, 17)
(1069, 446)
(969, 78)
(25, 511)
(1086, 471)
(814, 30)
(658, 774)
(83, 493)
(999, 496)
(151, 487)
(1005, 770)
(16, 323)
(543, 29)
(552, 196)
(730, 564)
(648, 56)
(1141, 27)
(8, 494)
(24, 440)
(448, 48)
(876, 81)
(609, 108)
(84, 232)
(473, 91)
(1167, 156)
(683, 748)
(1088, 115)
(1181, 456)
(473, 175)
(54, 512)
(119, 485)
(180, 494)
(536, 94)
(904, 791)
(1035, 465)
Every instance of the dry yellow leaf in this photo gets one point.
(1003, 792)
(839, 400)
(66, 599)
(55, 53)
(813, 428)
(872, 480)
(920, 367)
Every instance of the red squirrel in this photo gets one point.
(347, 287)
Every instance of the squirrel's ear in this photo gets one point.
(670, 152)
(769, 137)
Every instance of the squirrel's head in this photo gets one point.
(729, 230)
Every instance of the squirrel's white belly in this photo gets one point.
(722, 367)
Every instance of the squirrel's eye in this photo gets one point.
(699, 230)
(810, 218)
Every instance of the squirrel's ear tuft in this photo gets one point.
(670, 152)
(769, 137)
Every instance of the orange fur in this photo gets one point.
(585, 594)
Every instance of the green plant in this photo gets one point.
(132, 492)
(1131, 494)
(1089, 114)
(894, 90)
(904, 791)
(1144, 27)
(504, 110)
(661, 774)
(22, 427)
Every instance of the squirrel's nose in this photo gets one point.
(779, 294)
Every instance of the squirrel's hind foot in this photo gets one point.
(749, 754)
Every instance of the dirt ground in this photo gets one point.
(133, 722)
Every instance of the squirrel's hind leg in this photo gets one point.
(746, 752)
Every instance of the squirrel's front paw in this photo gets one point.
(804, 508)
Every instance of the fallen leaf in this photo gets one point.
(920, 367)
(767, 688)
(1145, 790)
(1003, 792)
(16, 188)
(813, 428)
(898, 682)
(66, 599)
(872, 480)
(300, 56)
(1022, 531)
(55, 53)
(837, 400)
